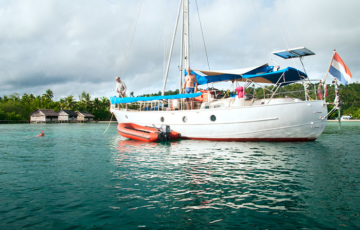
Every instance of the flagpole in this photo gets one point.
(329, 66)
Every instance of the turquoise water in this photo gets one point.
(76, 177)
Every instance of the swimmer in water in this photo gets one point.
(41, 134)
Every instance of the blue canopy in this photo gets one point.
(264, 74)
(119, 100)
(228, 75)
(283, 76)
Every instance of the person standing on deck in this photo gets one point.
(190, 86)
(120, 89)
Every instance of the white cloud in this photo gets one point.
(72, 46)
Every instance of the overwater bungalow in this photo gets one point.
(83, 116)
(44, 116)
(67, 116)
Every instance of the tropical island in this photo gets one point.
(15, 107)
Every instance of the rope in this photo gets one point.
(109, 123)
(202, 33)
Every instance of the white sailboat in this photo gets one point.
(272, 118)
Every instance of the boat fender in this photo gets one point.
(240, 91)
(319, 91)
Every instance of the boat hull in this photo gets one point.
(297, 121)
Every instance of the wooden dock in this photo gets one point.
(14, 121)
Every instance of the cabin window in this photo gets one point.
(126, 116)
(213, 118)
(162, 119)
(184, 119)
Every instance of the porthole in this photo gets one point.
(126, 116)
(184, 119)
(162, 119)
(213, 118)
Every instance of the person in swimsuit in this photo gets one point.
(42, 134)
(190, 86)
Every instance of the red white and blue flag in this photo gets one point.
(339, 70)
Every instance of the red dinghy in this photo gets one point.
(145, 133)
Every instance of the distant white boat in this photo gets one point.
(247, 118)
(346, 118)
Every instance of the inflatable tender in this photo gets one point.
(145, 133)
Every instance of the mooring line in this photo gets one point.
(109, 123)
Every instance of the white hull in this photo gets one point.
(293, 121)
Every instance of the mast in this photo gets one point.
(181, 53)
(186, 34)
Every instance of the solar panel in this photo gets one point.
(294, 53)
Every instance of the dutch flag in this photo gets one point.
(339, 70)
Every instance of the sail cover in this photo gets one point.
(119, 100)
(260, 74)
(227, 75)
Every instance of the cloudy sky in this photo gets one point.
(74, 46)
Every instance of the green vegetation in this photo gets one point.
(14, 107)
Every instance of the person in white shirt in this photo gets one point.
(120, 89)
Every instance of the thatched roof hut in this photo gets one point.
(83, 116)
(44, 116)
(66, 115)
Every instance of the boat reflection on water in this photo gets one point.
(129, 145)
(221, 178)
(126, 145)
(202, 174)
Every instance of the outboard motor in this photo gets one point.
(165, 132)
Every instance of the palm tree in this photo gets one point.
(62, 103)
(14, 97)
(49, 94)
(32, 97)
(105, 102)
(85, 100)
(96, 104)
(69, 102)
(25, 98)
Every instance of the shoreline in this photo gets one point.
(343, 120)
(115, 122)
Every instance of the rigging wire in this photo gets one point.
(167, 41)
(262, 30)
(295, 25)
(202, 33)
(129, 29)
(287, 31)
(132, 38)
(238, 26)
(287, 46)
